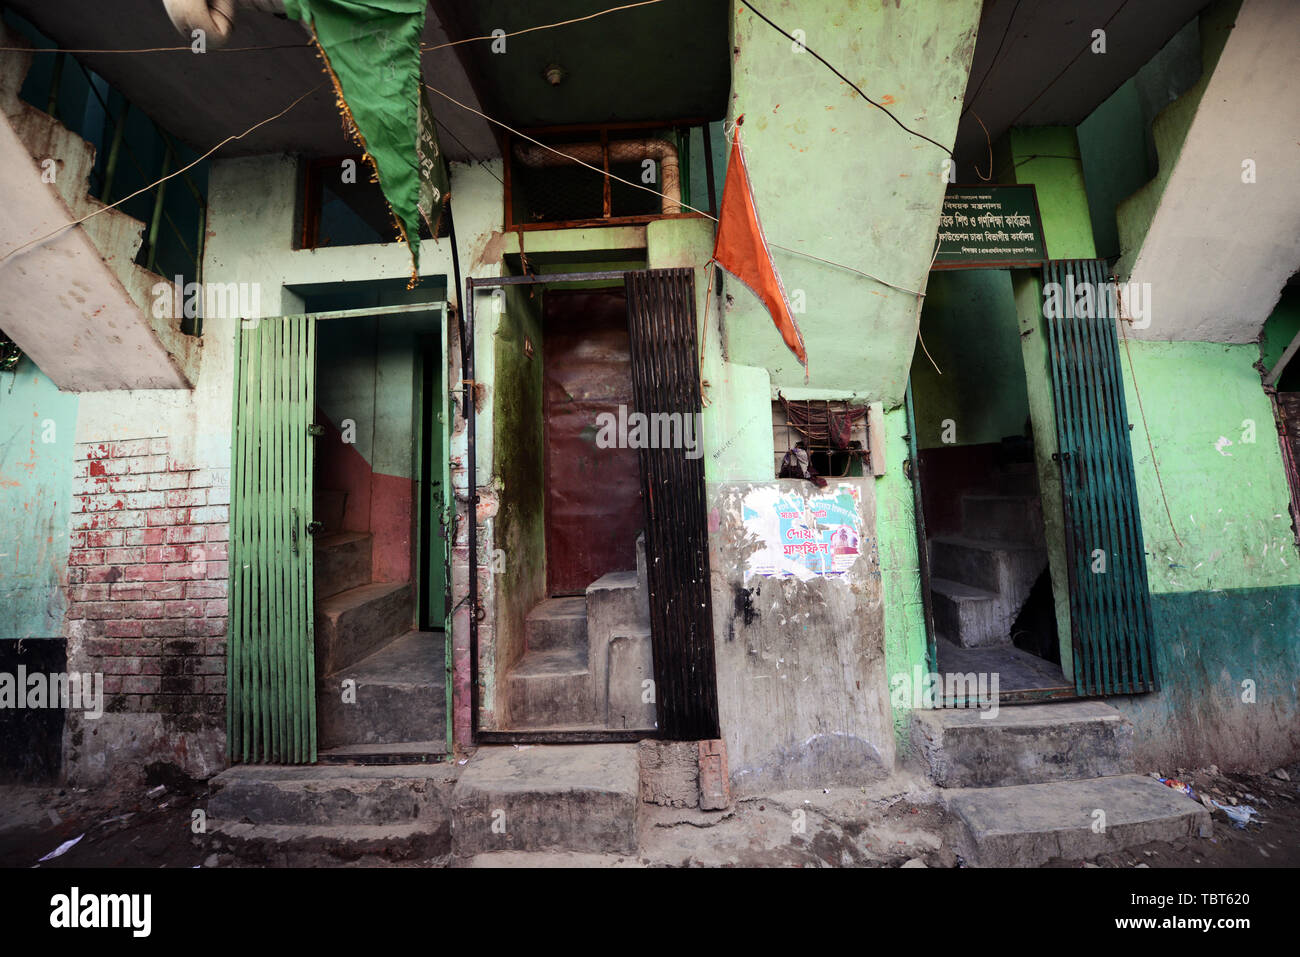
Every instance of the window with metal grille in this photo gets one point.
(833, 432)
(583, 175)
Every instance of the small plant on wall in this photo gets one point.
(10, 354)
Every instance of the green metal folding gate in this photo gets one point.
(271, 704)
(1110, 604)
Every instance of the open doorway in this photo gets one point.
(379, 579)
(990, 589)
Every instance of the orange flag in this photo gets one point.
(741, 249)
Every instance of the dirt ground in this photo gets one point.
(893, 823)
(1272, 839)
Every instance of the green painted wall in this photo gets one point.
(37, 431)
(519, 530)
(1228, 495)
(968, 325)
(900, 573)
(834, 177)
(1048, 157)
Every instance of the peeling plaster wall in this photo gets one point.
(802, 692)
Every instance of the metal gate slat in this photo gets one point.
(1110, 611)
(661, 321)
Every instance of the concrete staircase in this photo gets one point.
(107, 336)
(284, 814)
(982, 576)
(381, 695)
(586, 659)
(1038, 782)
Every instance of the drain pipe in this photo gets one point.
(620, 151)
(216, 18)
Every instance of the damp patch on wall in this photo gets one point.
(803, 536)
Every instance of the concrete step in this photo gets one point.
(342, 562)
(970, 617)
(562, 860)
(1020, 479)
(1023, 744)
(557, 623)
(581, 798)
(332, 795)
(400, 695)
(549, 688)
(1005, 568)
(354, 623)
(630, 664)
(303, 845)
(1003, 518)
(1029, 824)
(617, 605)
(398, 752)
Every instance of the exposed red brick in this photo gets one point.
(165, 627)
(186, 534)
(186, 572)
(143, 591)
(205, 589)
(124, 556)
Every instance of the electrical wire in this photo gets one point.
(144, 189)
(544, 26)
(649, 189)
(832, 68)
(1051, 83)
(1132, 371)
(994, 62)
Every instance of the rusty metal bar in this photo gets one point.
(665, 378)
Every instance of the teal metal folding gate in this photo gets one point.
(1110, 602)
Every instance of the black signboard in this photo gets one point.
(990, 226)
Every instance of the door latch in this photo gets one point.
(314, 527)
(315, 429)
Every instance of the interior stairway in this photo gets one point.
(1038, 782)
(981, 577)
(393, 677)
(586, 659)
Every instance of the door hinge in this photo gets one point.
(314, 527)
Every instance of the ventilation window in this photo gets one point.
(832, 434)
(605, 175)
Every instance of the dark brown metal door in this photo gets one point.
(666, 378)
(593, 494)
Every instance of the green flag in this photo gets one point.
(372, 51)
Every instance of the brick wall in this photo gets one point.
(147, 577)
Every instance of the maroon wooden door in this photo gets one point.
(593, 494)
